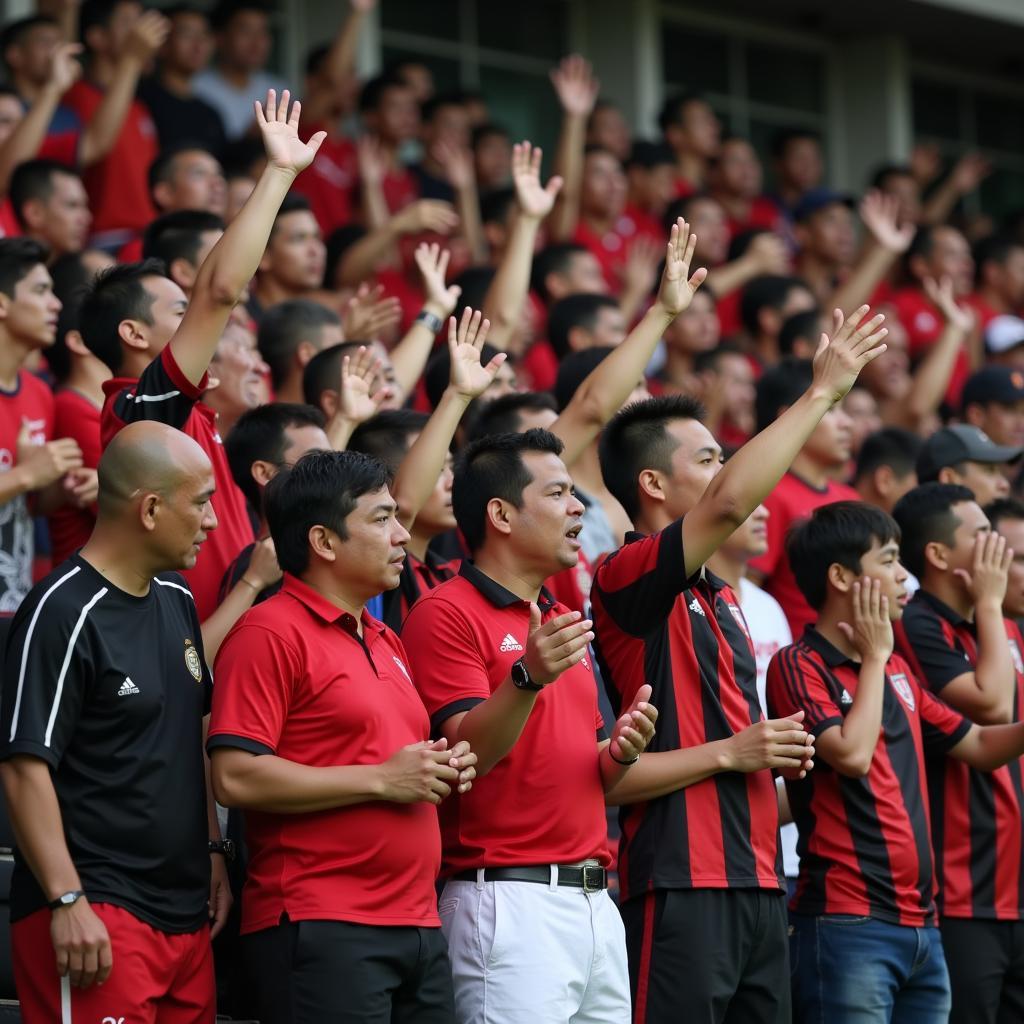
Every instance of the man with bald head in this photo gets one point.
(119, 868)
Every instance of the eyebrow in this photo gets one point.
(709, 449)
(385, 507)
(560, 482)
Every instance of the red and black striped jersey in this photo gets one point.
(418, 578)
(864, 842)
(687, 638)
(977, 817)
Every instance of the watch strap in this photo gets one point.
(66, 899)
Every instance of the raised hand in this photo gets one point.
(678, 286)
(433, 215)
(641, 266)
(986, 581)
(65, 69)
(941, 295)
(280, 131)
(634, 730)
(779, 743)
(432, 262)
(969, 172)
(870, 633)
(880, 213)
(356, 401)
(534, 200)
(370, 158)
(767, 251)
(264, 570)
(367, 314)
(457, 162)
(148, 34)
(556, 645)
(576, 86)
(465, 342)
(853, 344)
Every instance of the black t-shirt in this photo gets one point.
(180, 120)
(110, 691)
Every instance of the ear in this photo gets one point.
(263, 472)
(32, 212)
(183, 274)
(883, 480)
(769, 321)
(328, 402)
(74, 344)
(265, 261)
(323, 543)
(579, 339)
(555, 287)
(935, 555)
(948, 475)
(132, 333)
(499, 515)
(149, 511)
(650, 484)
(162, 195)
(975, 415)
(5, 305)
(305, 352)
(841, 578)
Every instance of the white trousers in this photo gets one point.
(526, 953)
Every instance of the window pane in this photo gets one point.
(1000, 123)
(936, 111)
(692, 60)
(445, 72)
(523, 104)
(1002, 192)
(438, 19)
(535, 28)
(786, 78)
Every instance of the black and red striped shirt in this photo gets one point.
(687, 638)
(977, 817)
(864, 843)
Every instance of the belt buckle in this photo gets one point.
(593, 871)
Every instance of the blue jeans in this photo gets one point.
(857, 970)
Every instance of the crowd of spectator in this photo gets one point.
(462, 454)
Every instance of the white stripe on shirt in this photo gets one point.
(28, 641)
(154, 398)
(65, 1000)
(177, 586)
(67, 661)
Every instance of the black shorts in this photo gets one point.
(310, 972)
(708, 956)
(986, 970)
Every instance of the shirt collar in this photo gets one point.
(324, 609)
(829, 653)
(495, 592)
(953, 617)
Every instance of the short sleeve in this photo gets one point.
(637, 585)
(163, 393)
(47, 668)
(447, 665)
(939, 660)
(942, 727)
(256, 671)
(795, 683)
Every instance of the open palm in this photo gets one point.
(534, 199)
(356, 400)
(465, 343)
(678, 286)
(280, 131)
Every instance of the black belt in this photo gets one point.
(588, 877)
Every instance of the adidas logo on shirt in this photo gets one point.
(510, 643)
(127, 687)
(695, 607)
(845, 698)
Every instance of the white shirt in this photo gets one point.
(235, 105)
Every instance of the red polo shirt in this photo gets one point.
(543, 803)
(295, 679)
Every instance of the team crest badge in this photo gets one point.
(901, 685)
(192, 662)
(404, 670)
(1018, 661)
(737, 614)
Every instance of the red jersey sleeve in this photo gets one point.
(255, 672)
(795, 682)
(942, 728)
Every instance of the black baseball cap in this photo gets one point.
(960, 443)
(816, 199)
(993, 384)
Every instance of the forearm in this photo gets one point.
(467, 202)
(419, 471)
(375, 207)
(38, 827)
(508, 291)
(27, 138)
(104, 127)
(658, 774)
(14, 483)
(363, 258)
(940, 203)
(988, 747)
(338, 68)
(612, 772)
(931, 378)
(993, 674)
(212, 821)
(409, 357)
(568, 164)
(51, 497)
(860, 729)
(214, 629)
(858, 287)
(730, 277)
(493, 727)
(339, 429)
(265, 782)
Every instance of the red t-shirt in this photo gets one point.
(543, 803)
(295, 680)
(76, 417)
(612, 248)
(400, 188)
(163, 393)
(984, 312)
(923, 324)
(540, 364)
(117, 185)
(792, 499)
(763, 214)
(329, 183)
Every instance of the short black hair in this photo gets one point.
(635, 439)
(58, 355)
(259, 436)
(890, 446)
(321, 489)
(502, 415)
(293, 202)
(452, 98)
(496, 205)
(70, 277)
(475, 282)
(779, 387)
(994, 249)
(998, 511)
(323, 371)
(580, 310)
(785, 137)
(672, 109)
(96, 14)
(484, 131)
(925, 515)
(178, 235)
(806, 325)
(222, 14)
(710, 359)
(162, 168)
(18, 258)
(493, 467)
(16, 31)
(115, 295)
(842, 532)
(922, 245)
(33, 179)
(337, 243)
(284, 327)
(886, 171)
(553, 259)
(649, 155)
(372, 93)
(439, 368)
(767, 290)
(575, 369)
(386, 435)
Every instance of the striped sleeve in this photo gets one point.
(928, 644)
(47, 669)
(795, 683)
(163, 393)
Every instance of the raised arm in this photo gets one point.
(504, 299)
(749, 476)
(601, 395)
(967, 174)
(458, 168)
(227, 271)
(340, 64)
(356, 400)
(417, 476)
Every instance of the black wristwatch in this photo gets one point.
(66, 899)
(521, 677)
(225, 847)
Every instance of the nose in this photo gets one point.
(210, 518)
(576, 507)
(401, 536)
